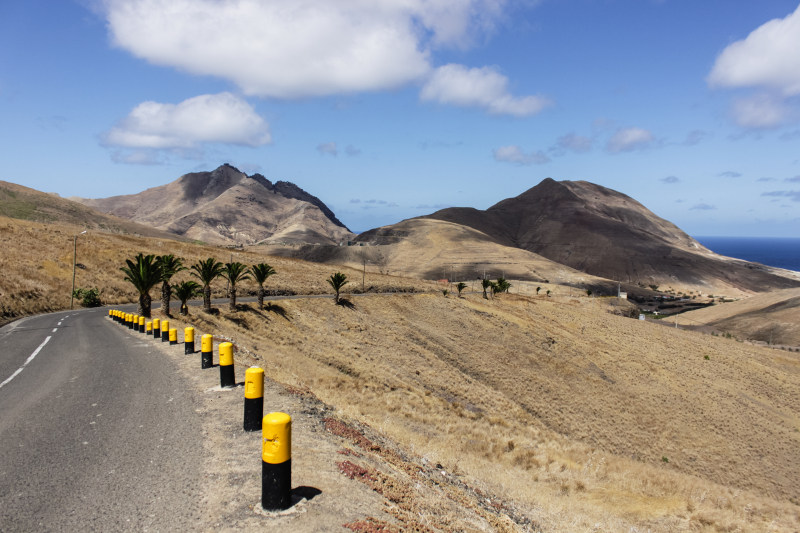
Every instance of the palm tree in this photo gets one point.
(170, 265)
(485, 283)
(502, 285)
(460, 287)
(337, 281)
(185, 291)
(261, 272)
(234, 273)
(144, 273)
(207, 271)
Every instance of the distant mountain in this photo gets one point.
(608, 234)
(434, 249)
(17, 201)
(226, 206)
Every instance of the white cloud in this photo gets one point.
(328, 148)
(629, 139)
(761, 111)
(514, 154)
(137, 157)
(209, 118)
(302, 48)
(478, 87)
(767, 58)
(574, 143)
(352, 151)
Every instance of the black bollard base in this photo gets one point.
(164, 336)
(253, 413)
(206, 359)
(156, 333)
(227, 377)
(188, 347)
(276, 486)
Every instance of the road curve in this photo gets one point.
(97, 433)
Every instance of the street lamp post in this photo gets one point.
(74, 263)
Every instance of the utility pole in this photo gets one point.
(74, 264)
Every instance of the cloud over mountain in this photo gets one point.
(208, 118)
(479, 87)
(303, 48)
(766, 60)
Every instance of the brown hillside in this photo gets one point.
(227, 206)
(436, 250)
(24, 203)
(552, 408)
(773, 318)
(608, 234)
(37, 267)
(549, 411)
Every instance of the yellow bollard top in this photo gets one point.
(276, 438)
(156, 323)
(207, 343)
(165, 325)
(225, 354)
(173, 334)
(148, 326)
(141, 321)
(188, 334)
(254, 383)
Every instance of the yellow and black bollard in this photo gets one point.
(148, 327)
(135, 323)
(276, 462)
(227, 377)
(141, 324)
(188, 340)
(156, 328)
(253, 398)
(206, 351)
(165, 331)
(173, 336)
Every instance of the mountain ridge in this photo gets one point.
(226, 206)
(608, 234)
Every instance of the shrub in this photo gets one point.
(88, 297)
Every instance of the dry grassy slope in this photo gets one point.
(552, 404)
(555, 404)
(37, 267)
(772, 317)
(435, 249)
(24, 203)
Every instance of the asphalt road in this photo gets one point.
(96, 431)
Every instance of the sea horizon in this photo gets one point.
(779, 252)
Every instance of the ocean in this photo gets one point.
(771, 251)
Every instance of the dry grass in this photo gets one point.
(550, 407)
(771, 318)
(37, 268)
(554, 404)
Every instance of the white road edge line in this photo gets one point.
(28, 360)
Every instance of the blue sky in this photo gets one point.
(391, 109)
